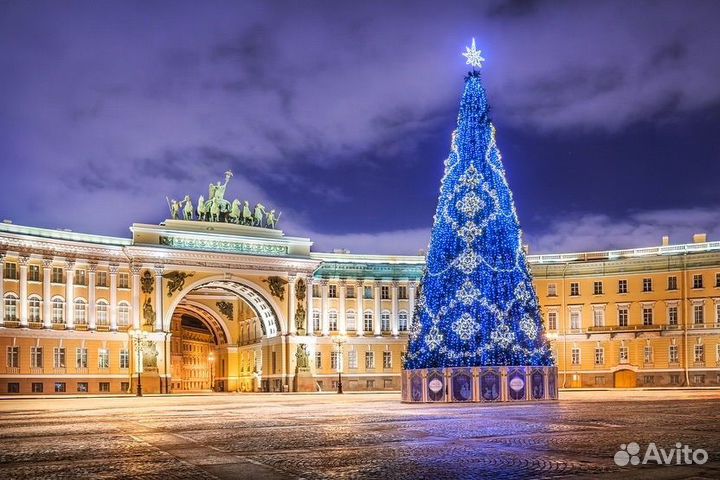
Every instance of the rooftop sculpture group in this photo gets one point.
(217, 209)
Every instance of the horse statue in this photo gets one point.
(188, 208)
(259, 213)
(247, 214)
(234, 215)
(214, 207)
(201, 209)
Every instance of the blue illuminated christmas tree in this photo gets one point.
(477, 304)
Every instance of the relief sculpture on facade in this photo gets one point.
(176, 281)
(277, 286)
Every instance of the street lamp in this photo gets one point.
(211, 359)
(339, 340)
(138, 336)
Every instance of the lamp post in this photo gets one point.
(339, 340)
(211, 361)
(138, 336)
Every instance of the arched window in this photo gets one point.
(385, 321)
(34, 304)
(333, 320)
(350, 323)
(11, 307)
(101, 313)
(316, 320)
(402, 321)
(368, 321)
(58, 310)
(80, 312)
(123, 314)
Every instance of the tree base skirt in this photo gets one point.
(479, 384)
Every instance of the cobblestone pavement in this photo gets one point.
(262, 436)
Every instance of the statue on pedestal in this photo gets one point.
(301, 356)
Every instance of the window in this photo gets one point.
(403, 321)
(80, 312)
(13, 357)
(574, 289)
(575, 321)
(717, 353)
(369, 359)
(673, 355)
(369, 384)
(104, 387)
(647, 285)
(698, 314)
(81, 358)
(675, 379)
(350, 322)
(59, 387)
(597, 288)
(385, 321)
(334, 360)
(647, 315)
(332, 291)
(367, 292)
(648, 379)
(384, 292)
(402, 293)
(698, 379)
(57, 275)
(10, 271)
(11, 307)
(552, 290)
(123, 314)
(672, 282)
(36, 357)
(717, 313)
(350, 292)
(123, 280)
(599, 380)
(672, 315)
(697, 281)
(58, 310)
(648, 354)
(34, 273)
(368, 321)
(80, 277)
(82, 387)
(387, 359)
(37, 387)
(318, 360)
(624, 356)
(552, 320)
(699, 353)
(717, 280)
(101, 313)
(103, 358)
(623, 316)
(575, 356)
(599, 317)
(101, 279)
(316, 320)
(124, 358)
(599, 356)
(13, 387)
(125, 387)
(316, 291)
(333, 321)
(622, 286)
(352, 359)
(59, 357)
(34, 309)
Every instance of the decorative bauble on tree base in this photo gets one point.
(477, 333)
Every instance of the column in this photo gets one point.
(360, 315)
(342, 326)
(92, 301)
(378, 308)
(159, 327)
(23, 261)
(411, 302)
(292, 304)
(394, 312)
(47, 293)
(309, 307)
(113, 296)
(135, 269)
(70, 294)
(2, 289)
(324, 307)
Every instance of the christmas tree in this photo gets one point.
(477, 305)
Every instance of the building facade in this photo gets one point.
(188, 305)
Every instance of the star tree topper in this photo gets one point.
(473, 56)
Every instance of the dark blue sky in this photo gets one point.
(339, 114)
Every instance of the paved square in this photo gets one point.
(350, 436)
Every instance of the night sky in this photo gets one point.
(339, 114)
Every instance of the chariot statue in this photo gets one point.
(216, 203)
